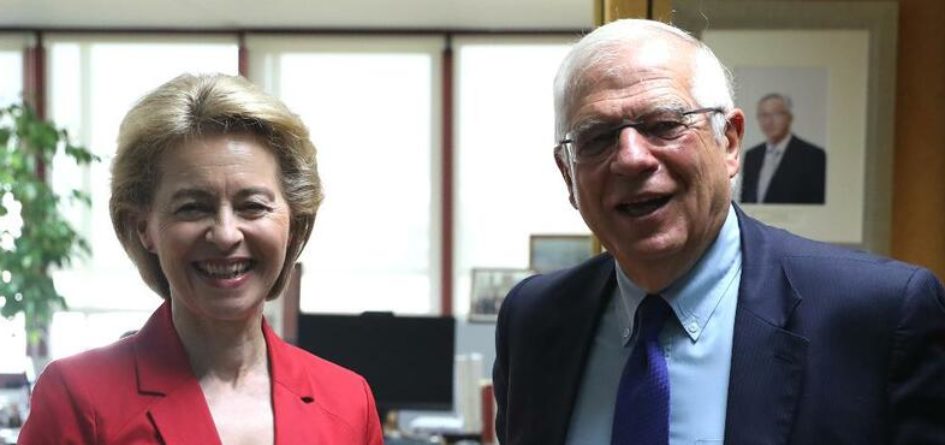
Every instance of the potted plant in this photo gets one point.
(34, 234)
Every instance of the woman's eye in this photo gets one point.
(190, 209)
(255, 208)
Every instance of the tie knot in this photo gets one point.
(651, 315)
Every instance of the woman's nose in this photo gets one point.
(225, 232)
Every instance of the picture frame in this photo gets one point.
(548, 253)
(489, 288)
(14, 403)
(854, 44)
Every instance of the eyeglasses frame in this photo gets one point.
(567, 143)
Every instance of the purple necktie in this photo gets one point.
(641, 416)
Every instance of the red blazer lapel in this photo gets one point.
(181, 416)
(299, 390)
(296, 414)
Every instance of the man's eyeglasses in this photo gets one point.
(595, 143)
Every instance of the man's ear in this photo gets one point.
(734, 131)
(566, 174)
(141, 226)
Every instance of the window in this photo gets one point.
(372, 112)
(507, 184)
(373, 106)
(12, 335)
(11, 68)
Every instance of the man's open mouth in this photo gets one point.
(643, 207)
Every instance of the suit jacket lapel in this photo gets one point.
(180, 413)
(570, 324)
(767, 359)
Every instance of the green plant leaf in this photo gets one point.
(46, 238)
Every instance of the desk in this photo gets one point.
(442, 439)
(459, 437)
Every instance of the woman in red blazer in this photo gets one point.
(214, 192)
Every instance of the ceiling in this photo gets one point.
(228, 14)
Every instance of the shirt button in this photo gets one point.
(693, 327)
(626, 332)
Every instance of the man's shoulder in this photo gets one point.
(804, 259)
(756, 150)
(801, 145)
(556, 289)
(595, 268)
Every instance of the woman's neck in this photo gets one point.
(222, 350)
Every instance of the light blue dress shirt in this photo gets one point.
(697, 345)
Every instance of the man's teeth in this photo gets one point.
(231, 270)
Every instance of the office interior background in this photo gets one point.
(433, 123)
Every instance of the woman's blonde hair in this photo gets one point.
(197, 106)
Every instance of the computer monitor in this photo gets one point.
(407, 360)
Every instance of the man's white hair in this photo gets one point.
(711, 83)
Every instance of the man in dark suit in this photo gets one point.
(784, 169)
(701, 324)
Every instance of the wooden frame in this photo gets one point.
(489, 288)
(860, 102)
(547, 253)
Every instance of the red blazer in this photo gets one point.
(141, 390)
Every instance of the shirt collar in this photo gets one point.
(695, 296)
(779, 146)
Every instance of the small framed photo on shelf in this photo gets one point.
(547, 253)
(14, 403)
(489, 288)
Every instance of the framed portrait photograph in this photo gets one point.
(547, 253)
(489, 288)
(815, 81)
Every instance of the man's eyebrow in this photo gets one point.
(672, 106)
(591, 123)
(666, 107)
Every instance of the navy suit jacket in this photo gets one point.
(799, 179)
(830, 346)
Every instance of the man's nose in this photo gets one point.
(634, 153)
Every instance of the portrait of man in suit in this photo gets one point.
(701, 324)
(784, 169)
